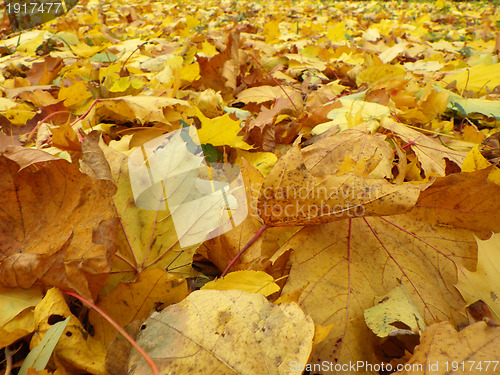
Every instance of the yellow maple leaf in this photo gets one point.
(272, 31)
(19, 114)
(475, 161)
(476, 78)
(220, 131)
(120, 85)
(74, 94)
(189, 72)
(484, 284)
(336, 33)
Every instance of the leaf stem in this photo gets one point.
(249, 243)
(275, 80)
(30, 135)
(87, 112)
(145, 355)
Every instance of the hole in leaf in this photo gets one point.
(53, 319)
(400, 325)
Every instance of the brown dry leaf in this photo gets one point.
(262, 94)
(318, 115)
(323, 182)
(342, 266)
(479, 310)
(225, 332)
(220, 71)
(38, 97)
(462, 200)
(430, 153)
(135, 301)
(64, 137)
(54, 201)
(222, 249)
(136, 108)
(25, 157)
(94, 163)
(265, 133)
(43, 73)
(57, 114)
(368, 155)
(5, 141)
(443, 350)
(267, 116)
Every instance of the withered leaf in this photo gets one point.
(339, 177)
(56, 228)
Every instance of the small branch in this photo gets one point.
(249, 243)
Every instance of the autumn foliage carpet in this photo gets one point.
(365, 136)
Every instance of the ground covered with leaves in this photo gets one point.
(365, 136)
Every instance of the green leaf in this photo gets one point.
(104, 57)
(40, 355)
(212, 153)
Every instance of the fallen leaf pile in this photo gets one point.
(360, 137)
